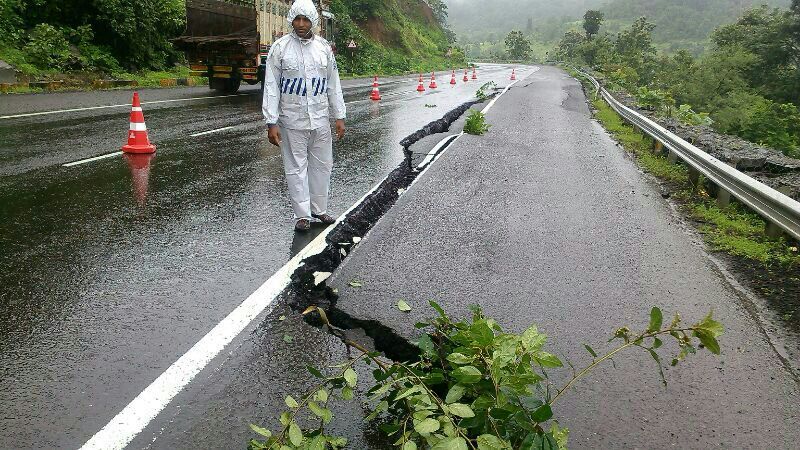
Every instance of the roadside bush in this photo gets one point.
(655, 100)
(472, 386)
(48, 48)
(476, 123)
(687, 115)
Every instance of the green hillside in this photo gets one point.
(679, 23)
(393, 36)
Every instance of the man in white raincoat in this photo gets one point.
(301, 92)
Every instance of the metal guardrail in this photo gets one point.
(777, 208)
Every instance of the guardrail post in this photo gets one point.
(694, 176)
(772, 230)
(658, 147)
(672, 157)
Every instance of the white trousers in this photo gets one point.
(307, 162)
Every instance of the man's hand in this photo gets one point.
(274, 135)
(340, 128)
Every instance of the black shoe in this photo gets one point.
(327, 219)
(302, 225)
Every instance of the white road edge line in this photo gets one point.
(44, 113)
(83, 161)
(211, 131)
(126, 425)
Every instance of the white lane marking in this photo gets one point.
(211, 131)
(126, 425)
(432, 154)
(17, 116)
(149, 403)
(83, 161)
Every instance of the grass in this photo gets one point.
(734, 229)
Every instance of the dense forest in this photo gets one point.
(45, 37)
(747, 83)
(107, 35)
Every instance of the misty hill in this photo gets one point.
(679, 23)
(680, 20)
(477, 18)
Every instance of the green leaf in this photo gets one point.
(318, 443)
(410, 391)
(542, 414)
(291, 402)
(590, 350)
(459, 358)
(284, 418)
(409, 445)
(295, 435)
(355, 284)
(288, 339)
(314, 371)
(708, 340)
(711, 326)
(467, 375)
(316, 409)
(347, 393)
(656, 318)
(482, 334)
(322, 395)
(427, 346)
(438, 309)
(532, 340)
(654, 355)
(262, 431)
(427, 426)
(461, 410)
(491, 442)
(455, 393)
(657, 343)
(403, 306)
(535, 441)
(453, 443)
(350, 377)
(547, 360)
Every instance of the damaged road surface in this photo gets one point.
(545, 220)
(114, 270)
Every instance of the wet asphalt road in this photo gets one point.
(546, 220)
(110, 270)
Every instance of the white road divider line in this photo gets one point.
(126, 105)
(126, 425)
(84, 161)
(211, 131)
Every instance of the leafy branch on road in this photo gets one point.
(472, 387)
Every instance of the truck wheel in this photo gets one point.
(229, 85)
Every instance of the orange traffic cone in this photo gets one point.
(453, 79)
(137, 135)
(466, 78)
(474, 73)
(376, 93)
(513, 74)
(433, 81)
(420, 88)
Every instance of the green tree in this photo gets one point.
(568, 47)
(634, 48)
(591, 22)
(518, 46)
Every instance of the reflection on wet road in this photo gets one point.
(111, 269)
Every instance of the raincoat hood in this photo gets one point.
(304, 8)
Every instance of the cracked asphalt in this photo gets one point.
(111, 270)
(546, 220)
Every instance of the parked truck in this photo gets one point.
(227, 41)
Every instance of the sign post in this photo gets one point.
(352, 46)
